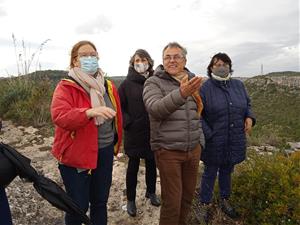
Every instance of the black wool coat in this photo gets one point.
(135, 117)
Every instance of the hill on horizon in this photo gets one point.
(275, 101)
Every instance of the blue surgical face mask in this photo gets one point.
(89, 64)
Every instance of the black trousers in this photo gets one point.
(131, 177)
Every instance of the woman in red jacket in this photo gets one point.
(88, 128)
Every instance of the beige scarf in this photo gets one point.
(94, 85)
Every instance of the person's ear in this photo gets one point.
(76, 62)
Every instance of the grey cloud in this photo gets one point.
(95, 26)
(253, 33)
(247, 57)
(267, 19)
(250, 51)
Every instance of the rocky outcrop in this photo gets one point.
(283, 80)
(287, 81)
(269, 149)
(28, 208)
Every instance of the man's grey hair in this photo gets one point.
(176, 45)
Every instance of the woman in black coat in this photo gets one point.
(226, 119)
(137, 128)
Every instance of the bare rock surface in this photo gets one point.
(28, 208)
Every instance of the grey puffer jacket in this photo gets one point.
(174, 122)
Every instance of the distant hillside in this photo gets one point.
(289, 79)
(53, 75)
(57, 75)
(276, 103)
(284, 73)
(26, 99)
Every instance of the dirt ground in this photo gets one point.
(28, 208)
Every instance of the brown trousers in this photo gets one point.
(178, 176)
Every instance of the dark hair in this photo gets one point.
(74, 51)
(143, 54)
(176, 45)
(220, 56)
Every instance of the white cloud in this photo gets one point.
(2, 9)
(2, 12)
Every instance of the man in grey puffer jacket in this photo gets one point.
(174, 106)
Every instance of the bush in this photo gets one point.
(26, 101)
(266, 189)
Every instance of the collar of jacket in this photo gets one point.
(135, 76)
(225, 83)
(161, 73)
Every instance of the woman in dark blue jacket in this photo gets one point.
(226, 119)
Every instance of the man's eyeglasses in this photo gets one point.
(176, 58)
(87, 54)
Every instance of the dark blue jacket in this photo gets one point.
(226, 106)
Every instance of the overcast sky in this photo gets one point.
(252, 32)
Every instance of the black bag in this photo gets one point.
(7, 170)
(14, 163)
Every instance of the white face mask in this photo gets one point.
(141, 67)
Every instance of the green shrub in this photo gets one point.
(266, 189)
(26, 101)
(12, 91)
